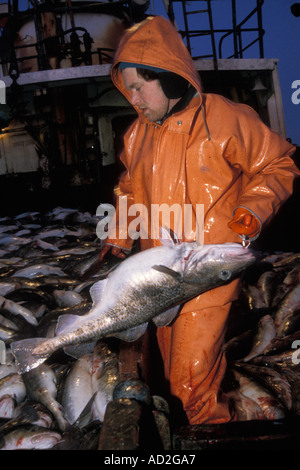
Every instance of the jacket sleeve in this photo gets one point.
(118, 234)
(265, 161)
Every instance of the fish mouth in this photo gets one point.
(245, 252)
(243, 255)
(46, 440)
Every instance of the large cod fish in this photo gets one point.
(149, 285)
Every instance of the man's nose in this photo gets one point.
(135, 100)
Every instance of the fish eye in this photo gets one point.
(225, 274)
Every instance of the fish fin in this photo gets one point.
(65, 322)
(86, 414)
(167, 237)
(132, 334)
(22, 350)
(97, 289)
(165, 270)
(100, 404)
(78, 350)
(165, 318)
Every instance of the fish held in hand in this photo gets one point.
(149, 285)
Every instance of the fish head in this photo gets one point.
(214, 265)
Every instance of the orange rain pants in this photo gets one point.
(196, 378)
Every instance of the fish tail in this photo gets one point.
(25, 358)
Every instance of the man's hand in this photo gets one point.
(96, 266)
(244, 223)
(115, 250)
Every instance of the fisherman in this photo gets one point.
(187, 147)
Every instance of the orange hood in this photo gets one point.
(143, 44)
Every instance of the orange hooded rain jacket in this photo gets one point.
(216, 153)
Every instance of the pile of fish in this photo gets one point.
(54, 398)
(263, 374)
(48, 314)
(43, 257)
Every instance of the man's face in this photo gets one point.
(148, 96)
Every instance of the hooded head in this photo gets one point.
(154, 44)
(174, 86)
